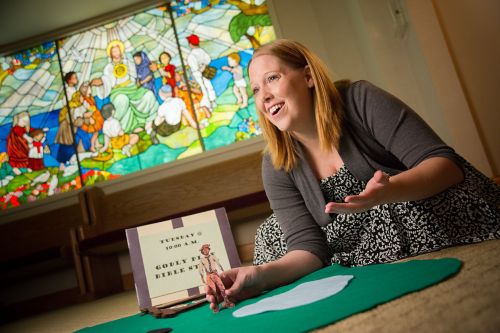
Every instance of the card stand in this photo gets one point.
(171, 309)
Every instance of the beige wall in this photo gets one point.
(472, 29)
(361, 39)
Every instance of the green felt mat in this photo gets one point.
(371, 286)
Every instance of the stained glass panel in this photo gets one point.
(217, 39)
(118, 67)
(31, 99)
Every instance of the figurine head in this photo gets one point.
(205, 249)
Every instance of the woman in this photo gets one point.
(353, 176)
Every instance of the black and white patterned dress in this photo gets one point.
(465, 213)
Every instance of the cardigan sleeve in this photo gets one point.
(396, 127)
(299, 227)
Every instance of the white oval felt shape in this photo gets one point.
(304, 293)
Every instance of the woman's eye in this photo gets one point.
(255, 91)
(272, 78)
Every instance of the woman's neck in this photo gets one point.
(308, 136)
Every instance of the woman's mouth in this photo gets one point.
(273, 110)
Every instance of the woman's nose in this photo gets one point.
(266, 96)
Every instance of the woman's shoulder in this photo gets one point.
(361, 97)
(268, 169)
(267, 164)
(355, 89)
(352, 92)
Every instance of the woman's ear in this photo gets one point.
(309, 78)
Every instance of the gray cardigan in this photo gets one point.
(379, 132)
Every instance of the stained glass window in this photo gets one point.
(143, 90)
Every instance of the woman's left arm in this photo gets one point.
(428, 178)
(432, 165)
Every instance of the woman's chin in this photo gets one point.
(282, 127)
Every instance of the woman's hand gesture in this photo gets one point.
(374, 194)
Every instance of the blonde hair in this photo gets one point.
(235, 56)
(25, 116)
(327, 104)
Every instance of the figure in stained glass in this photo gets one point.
(170, 112)
(92, 118)
(167, 71)
(145, 77)
(5, 170)
(240, 85)
(135, 106)
(202, 113)
(35, 139)
(198, 61)
(114, 136)
(17, 142)
(78, 113)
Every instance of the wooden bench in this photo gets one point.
(37, 238)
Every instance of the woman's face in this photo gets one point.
(137, 60)
(282, 93)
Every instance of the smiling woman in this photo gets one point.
(353, 175)
(294, 78)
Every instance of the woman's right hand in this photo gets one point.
(249, 281)
(241, 283)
